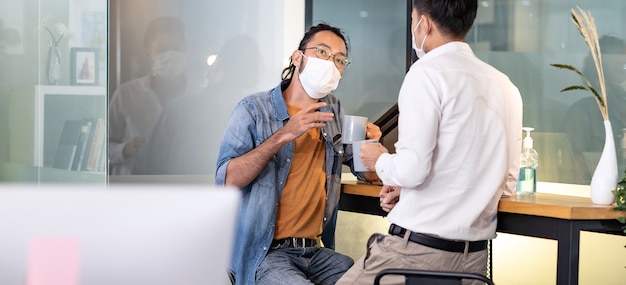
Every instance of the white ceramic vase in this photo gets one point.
(604, 178)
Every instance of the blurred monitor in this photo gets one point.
(120, 235)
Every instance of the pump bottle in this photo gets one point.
(527, 180)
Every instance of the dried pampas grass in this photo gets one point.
(586, 26)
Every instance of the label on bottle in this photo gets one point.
(527, 180)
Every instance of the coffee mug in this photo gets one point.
(356, 159)
(354, 128)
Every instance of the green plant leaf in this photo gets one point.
(597, 95)
(574, 87)
(589, 87)
(572, 68)
(564, 66)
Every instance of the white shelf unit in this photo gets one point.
(42, 92)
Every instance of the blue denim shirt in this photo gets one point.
(254, 120)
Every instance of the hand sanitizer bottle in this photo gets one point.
(527, 180)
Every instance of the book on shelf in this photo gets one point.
(80, 144)
(64, 156)
(97, 144)
(83, 142)
(103, 158)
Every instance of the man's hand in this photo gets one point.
(389, 197)
(244, 169)
(373, 132)
(370, 152)
(131, 148)
(306, 119)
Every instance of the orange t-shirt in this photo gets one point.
(301, 206)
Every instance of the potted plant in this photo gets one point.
(604, 179)
(620, 200)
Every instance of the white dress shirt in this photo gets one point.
(459, 143)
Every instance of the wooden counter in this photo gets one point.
(557, 206)
(538, 204)
(542, 215)
(359, 188)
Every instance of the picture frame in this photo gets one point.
(84, 66)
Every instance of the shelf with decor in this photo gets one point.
(70, 129)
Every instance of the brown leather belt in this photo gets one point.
(441, 244)
(293, 243)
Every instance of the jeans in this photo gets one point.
(294, 266)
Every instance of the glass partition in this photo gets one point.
(230, 49)
(180, 68)
(53, 76)
(522, 39)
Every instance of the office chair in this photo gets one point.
(423, 277)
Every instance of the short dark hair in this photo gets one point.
(163, 25)
(453, 17)
(287, 73)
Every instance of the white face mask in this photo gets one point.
(169, 64)
(319, 77)
(419, 51)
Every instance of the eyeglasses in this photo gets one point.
(323, 52)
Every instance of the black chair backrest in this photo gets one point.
(417, 277)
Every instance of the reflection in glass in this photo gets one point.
(137, 104)
(38, 100)
(180, 136)
(186, 136)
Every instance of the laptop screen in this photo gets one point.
(122, 234)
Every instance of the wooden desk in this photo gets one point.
(550, 216)
(360, 198)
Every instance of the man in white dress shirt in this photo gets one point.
(458, 152)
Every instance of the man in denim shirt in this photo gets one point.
(283, 149)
